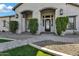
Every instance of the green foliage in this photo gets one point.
(61, 24)
(33, 25)
(13, 26)
(58, 26)
(4, 40)
(25, 50)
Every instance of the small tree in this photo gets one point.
(33, 25)
(61, 24)
(13, 26)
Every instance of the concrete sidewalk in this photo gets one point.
(17, 43)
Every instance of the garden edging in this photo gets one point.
(49, 51)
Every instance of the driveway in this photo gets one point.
(16, 36)
(24, 39)
(24, 36)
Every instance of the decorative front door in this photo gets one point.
(47, 25)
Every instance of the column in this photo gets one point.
(56, 15)
(19, 31)
(36, 14)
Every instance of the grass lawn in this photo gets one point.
(26, 50)
(4, 40)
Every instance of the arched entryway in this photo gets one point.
(48, 17)
(27, 15)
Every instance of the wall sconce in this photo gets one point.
(61, 11)
(16, 16)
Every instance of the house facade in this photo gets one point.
(46, 13)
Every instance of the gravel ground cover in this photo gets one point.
(64, 47)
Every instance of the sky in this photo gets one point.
(6, 9)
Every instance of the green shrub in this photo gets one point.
(64, 22)
(33, 25)
(61, 24)
(13, 26)
(58, 26)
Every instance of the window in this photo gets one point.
(70, 26)
(72, 23)
(4, 23)
(48, 16)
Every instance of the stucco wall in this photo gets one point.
(71, 11)
(68, 10)
(7, 19)
(36, 7)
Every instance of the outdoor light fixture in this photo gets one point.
(61, 11)
(16, 15)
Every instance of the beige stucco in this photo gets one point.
(36, 8)
(7, 19)
(68, 10)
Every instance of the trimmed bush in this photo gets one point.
(58, 26)
(61, 24)
(13, 26)
(33, 25)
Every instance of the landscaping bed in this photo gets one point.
(4, 40)
(26, 50)
(64, 47)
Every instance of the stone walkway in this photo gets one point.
(16, 36)
(17, 43)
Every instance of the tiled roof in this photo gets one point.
(17, 6)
